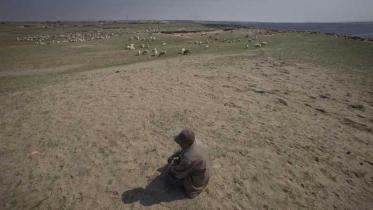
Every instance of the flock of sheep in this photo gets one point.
(67, 37)
(144, 48)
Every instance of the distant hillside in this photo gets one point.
(359, 29)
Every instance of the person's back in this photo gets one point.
(192, 167)
(198, 178)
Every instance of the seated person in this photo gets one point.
(189, 167)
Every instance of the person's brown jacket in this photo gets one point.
(194, 168)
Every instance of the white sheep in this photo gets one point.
(185, 51)
(258, 45)
(131, 47)
(263, 43)
(164, 44)
(155, 52)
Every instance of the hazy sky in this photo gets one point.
(235, 10)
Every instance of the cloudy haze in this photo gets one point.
(233, 10)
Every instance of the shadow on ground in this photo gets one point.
(157, 191)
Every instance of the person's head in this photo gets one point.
(185, 138)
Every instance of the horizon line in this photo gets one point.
(185, 20)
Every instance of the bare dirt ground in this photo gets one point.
(5, 73)
(282, 135)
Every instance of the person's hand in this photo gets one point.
(173, 159)
(170, 159)
(176, 160)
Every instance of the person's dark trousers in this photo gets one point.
(171, 179)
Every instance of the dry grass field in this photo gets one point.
(83, 124)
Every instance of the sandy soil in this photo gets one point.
(281, 135)
(23, 72)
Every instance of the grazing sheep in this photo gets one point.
(164, 44)
(247, 46)
(162, 53)
(131, 47)
(207, 46)
(155, 52)
(263, 43)
(258, 45)
(185, 51)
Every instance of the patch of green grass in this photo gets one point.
(324, 50)
(26, 55)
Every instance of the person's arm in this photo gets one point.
(182, 169)
(172, 157)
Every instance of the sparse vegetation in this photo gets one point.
(289, 124)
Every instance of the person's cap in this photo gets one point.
(186, 136)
